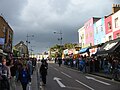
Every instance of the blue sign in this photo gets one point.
(2, 41)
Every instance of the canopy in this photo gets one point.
(83, 50)
(109, 47)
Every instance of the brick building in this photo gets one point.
(6, 38)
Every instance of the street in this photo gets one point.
(69, 79)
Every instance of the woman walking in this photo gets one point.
(24, 77)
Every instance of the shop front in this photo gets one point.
(110, 48)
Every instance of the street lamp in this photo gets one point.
(27, 41)
(60, 38)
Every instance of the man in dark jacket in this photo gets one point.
(4, 76)
(43, 71)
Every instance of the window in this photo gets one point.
(90, 34)
(116, 22)
(101, 28)
(96, 30)
(82, 36)
(109, 25)
(110, 38)
(117, 35)
(87, 36)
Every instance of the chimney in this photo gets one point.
(115, 8)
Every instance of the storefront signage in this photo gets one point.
(70, 52)
(65, 51)
(1, 51)
(110, 45)
(93, 50)
(2, 40)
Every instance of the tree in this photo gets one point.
(58, 49)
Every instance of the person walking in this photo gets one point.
(59, 61)
(24, 77)
(43, 71)
(30, 67)
(4, 76)
(13, 74)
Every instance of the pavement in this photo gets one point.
(32, 86)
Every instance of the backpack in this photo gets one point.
(24, 76)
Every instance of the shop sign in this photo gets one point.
(93, 50)
(70, 52)
(1, 51)
(110, 45)
(2, 41)
(65, 51)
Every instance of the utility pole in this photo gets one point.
(60, 38)
(28, 42)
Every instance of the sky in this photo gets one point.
(42, 18)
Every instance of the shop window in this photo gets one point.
(116, 22)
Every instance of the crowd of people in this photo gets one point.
(16, 70)
(89, 64)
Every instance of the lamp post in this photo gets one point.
(28, 41)
(60, 38)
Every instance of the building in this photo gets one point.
(116, 24)
(108, 27)
(6, 37)
(112, 24)
(81, 33)
(99, 32)
(89, 31)
(22, 49)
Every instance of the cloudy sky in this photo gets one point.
(42, 18)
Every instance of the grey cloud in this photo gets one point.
(43, 17)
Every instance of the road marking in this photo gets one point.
(66, 75)
(58, 81)
(84, 85)
(56, 69)
(97, 80)
(75, 88)
(53, 68)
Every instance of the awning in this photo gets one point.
(83, 50)
(109, 47)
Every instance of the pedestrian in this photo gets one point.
(13, 74)
(43, 71)
(59, 61)
(4, 76)
(30, 67)
(24, 77)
